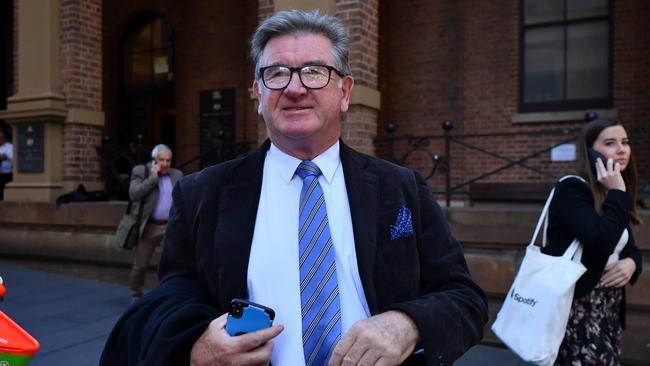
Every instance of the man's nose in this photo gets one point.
(295, 86)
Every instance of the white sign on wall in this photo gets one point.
(564, 152)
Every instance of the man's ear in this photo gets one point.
(346, 88)
(257, 93)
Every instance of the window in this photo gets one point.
(566, 58)
(148, 53)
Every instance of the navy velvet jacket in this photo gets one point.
(208, 242)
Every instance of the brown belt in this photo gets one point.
(157, 222)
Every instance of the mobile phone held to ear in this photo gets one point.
(245, 316)
(593, 156)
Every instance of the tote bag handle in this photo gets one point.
(575, 249)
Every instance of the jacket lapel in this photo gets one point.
(237, 211)
(363, 194)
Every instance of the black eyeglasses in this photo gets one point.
(311, 76)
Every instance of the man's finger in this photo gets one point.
(220, 322)
(258, 338)
(341, 349)
(370, 357)
(258, 356)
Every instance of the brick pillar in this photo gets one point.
(361, 17)
(359, 125)
(81, 74)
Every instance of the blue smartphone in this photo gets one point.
(245, 316)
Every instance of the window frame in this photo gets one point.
(564, 105)
(127, 52)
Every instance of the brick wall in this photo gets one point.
(81, 50)
(80, 159)
(460, 61)
(359, 124)
(80, 38)
(631, 76)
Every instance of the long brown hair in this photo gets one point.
(584, 167)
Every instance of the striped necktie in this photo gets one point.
(319, 290)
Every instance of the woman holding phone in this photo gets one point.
(597, 210)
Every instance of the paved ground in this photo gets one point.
(72, 315)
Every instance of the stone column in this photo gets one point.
(37, 111)
(361, 17)
(56, 113)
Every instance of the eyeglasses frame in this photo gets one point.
(297, 69)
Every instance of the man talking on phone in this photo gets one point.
(151, 191)
(351, 252)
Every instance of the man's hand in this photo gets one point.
(618, 274)
(154, 169)
(216, 347)
(384, 339)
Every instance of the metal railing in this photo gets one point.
(443, 162)
(118, 160)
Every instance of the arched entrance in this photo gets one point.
(147, 107)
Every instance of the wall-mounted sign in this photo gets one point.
(564, 152)
(30, 148)
(217, 120)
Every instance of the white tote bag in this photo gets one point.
(533, 318)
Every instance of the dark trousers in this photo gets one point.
(4, 179)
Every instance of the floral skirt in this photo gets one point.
(593, 335)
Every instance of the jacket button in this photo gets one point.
(441, 360)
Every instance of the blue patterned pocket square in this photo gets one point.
(403, 226)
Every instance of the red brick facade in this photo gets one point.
(80, 159)
(459, 61)
(81, 70)
(81, 49)
(359, 125)
(430, 60)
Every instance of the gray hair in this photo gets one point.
(160, 148)
(295, 22)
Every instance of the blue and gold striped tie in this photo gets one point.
(319, 290)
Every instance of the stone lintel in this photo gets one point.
(366, 96)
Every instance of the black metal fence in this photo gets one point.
(118, 160)
(443, 163)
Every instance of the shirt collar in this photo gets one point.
(328, 161)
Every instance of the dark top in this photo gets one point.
(208, 241)
(572, 215)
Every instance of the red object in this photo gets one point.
(14, 339)
(3, 290)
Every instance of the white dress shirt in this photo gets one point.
(273, 271)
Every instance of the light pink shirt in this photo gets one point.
(161, 212)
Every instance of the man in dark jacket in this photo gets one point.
(352, 252)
